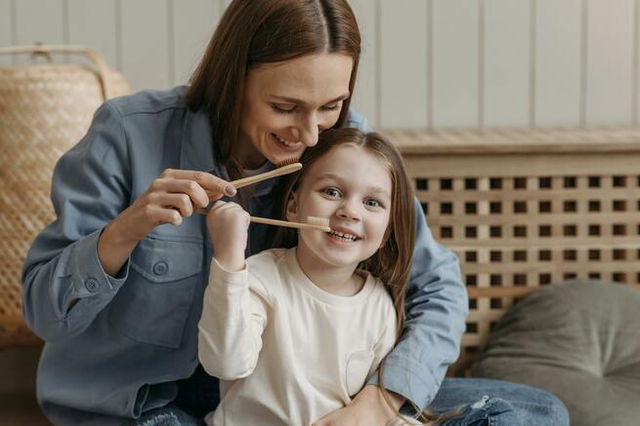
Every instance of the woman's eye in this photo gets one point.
(332, 107)
(285, 109)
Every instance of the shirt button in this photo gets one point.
(92, 285)
(160, 268)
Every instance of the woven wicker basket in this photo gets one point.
(44, 110)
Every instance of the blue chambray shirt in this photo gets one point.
(121, 347)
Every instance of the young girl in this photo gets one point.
(295, 333)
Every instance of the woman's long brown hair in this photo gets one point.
(254, 32)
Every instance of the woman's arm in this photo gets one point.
(436, 308)
(78, 263)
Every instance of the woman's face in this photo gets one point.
(287, 104)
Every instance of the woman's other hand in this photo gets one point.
(228, 226)
(368, 408)
(174, 195)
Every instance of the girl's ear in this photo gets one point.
(292, 207)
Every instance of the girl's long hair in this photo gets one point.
(255, 32)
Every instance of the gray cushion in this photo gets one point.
(579, 340)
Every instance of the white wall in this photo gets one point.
(426, 63)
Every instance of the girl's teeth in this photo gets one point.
(346, 237)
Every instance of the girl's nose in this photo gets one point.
(348, 210)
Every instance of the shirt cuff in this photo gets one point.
(408, 379)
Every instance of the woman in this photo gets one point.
(114, 286)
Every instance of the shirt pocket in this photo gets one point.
(153, 305)
(357, 370)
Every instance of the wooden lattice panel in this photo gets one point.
(523, 209)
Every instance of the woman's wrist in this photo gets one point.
(113, 249)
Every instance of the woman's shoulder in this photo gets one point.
(148, 102)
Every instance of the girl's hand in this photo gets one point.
(228, 226)
(368, 408)
(174, 195)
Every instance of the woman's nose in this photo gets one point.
(309, 130)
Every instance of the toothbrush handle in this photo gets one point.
(285, 170)
(298, 225)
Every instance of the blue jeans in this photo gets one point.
(479, 402)
(485, 402)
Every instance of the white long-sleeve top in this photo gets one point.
(286, 351)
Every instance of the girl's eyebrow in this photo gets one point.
(301, 102)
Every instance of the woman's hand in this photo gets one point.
(228, 226)
(368, 408)
(174, 195)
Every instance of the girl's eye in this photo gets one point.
(283, 108)
(371, 202)
(332, 192)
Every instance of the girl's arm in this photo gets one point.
(231, 325)
(233, 316)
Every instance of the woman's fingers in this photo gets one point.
(214, 186)
(196, 193)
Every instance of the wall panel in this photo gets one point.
(92, 23)
(6, 22)
(557, 90)
(507, 63)
(455, 63)
(609, 62)
(403, 67)
(39, 21)
(193, 23)
(366, 93)
(145, 42)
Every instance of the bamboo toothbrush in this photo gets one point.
(284, 170)
(313, 222)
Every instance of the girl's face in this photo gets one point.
(352, 188)
(287, 104)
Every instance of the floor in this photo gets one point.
(18, 405)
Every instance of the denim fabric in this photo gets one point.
(167, 416)
(496, 403)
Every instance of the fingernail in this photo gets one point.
(230, 190)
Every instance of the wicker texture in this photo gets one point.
(525, 208)
(44, 110)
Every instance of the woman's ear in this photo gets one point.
(292, 207)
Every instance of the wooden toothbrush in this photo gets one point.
(318, 223)
(284, 170)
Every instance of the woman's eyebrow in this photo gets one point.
(301, 102)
